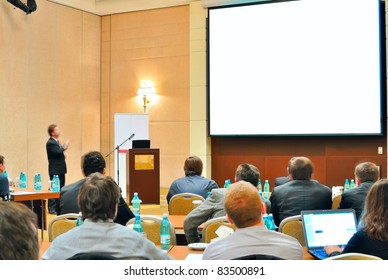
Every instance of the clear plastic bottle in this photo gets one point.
(23, 180)
(165, 237)
(266, 190)
(55, 184)
(352, 185)
(79, 220)
(37, 182)
(268, 221)
(136, 204)
(260, 188)
(208, 195)
(346, 185)
(227, 183)
(137, 226)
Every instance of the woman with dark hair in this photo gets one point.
(372, 238)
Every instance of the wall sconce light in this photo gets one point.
(146, 90)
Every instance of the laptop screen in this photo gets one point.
(328, 227)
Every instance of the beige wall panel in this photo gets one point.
(152, 45)
(198, 97)
(45, 62)
(171, 138)
(174, 170)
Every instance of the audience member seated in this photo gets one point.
(301, 193)
(244, 209)
(98, 199)
(4, 183)
(90, 163)
(18, 232)
(284, 179)
(366, 174)
(213, 207)
(372, 238)
(193, 182)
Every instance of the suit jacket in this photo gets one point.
(213, 207)
(56, 157)
(68, 203)
(281, 180)
(297, 195)
(354, 198)
(4, 186)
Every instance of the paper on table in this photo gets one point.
(224, 231)
(192, 257)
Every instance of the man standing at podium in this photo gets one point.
(57, 164)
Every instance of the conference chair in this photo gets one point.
(336, 200)
(293, 226)
(151, 226)
(61, 224)
(182, 204)
(353, 256)
(210, 227)
(258, 257)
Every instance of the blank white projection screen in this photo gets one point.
(309, 67)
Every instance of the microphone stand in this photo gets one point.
(118, 157)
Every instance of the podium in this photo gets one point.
(143, 175)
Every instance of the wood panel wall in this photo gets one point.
(334, 158)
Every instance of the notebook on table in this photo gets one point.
(324, 228)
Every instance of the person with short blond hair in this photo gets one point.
(244, 208)
(213, 206)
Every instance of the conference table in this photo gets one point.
(31, 195)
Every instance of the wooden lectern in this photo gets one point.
(143, 175)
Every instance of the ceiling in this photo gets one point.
(108, 7)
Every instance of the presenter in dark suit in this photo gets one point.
(301, 193)
(57, 162)
(366, 174)
(92, 162)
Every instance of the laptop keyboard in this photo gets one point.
(320, 253)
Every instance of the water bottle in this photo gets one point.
(5, 174)
(55, 184)
(268, 221)
(165, 238)
(351, 184)
(37, 182)
(79, 220)
(227, 183)
(260, 188)
(136, 204)
(208, 195)
(137, 226)
(266, 190)
(23, 180)
(346, 185)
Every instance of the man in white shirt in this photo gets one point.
(98, 201)
(244, 209)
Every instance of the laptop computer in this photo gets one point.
(324, 228)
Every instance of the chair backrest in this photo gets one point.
(336, 201)
(61, 224)
(182, 203)
(258, 257)
(210, 227)
(293, 226)
(353, 256)
(151, 226)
